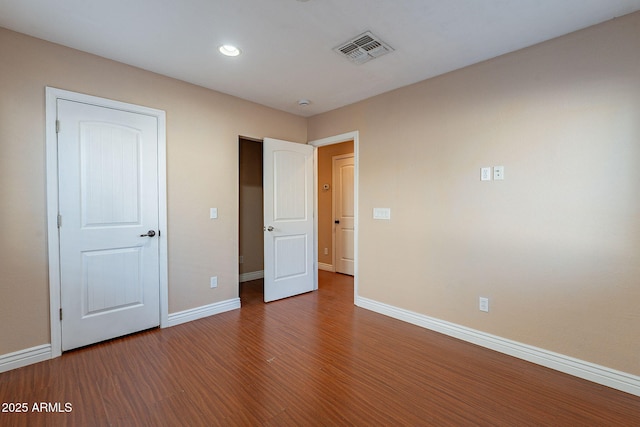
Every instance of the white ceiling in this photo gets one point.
(287, 45)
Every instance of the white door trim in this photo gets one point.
(52, 95)
(353, 135)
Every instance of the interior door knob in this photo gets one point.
(269, 228)
(150, 233)
(337, 221)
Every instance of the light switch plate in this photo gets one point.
(213, 281)
(213, 213)
(485, 174)
(381, 213)
(483, 304)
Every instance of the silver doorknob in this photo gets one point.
(269, 228)
(150, 233)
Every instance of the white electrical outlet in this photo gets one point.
(485, 174)
(484, 304)
(498, 173)
(214, 282)
(213, 213)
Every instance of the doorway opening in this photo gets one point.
(354, 138)
(335, 207)
(251, 212)
(251, 253)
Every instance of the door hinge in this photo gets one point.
(57, 126)
(61, 314)
(59, 220)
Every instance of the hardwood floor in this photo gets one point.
(314, 359)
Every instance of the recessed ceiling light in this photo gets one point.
(229, 50)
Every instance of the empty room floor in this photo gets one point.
(313, 359)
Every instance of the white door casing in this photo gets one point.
(343, 213)
(288, 219)
(111, 280)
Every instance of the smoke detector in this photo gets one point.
(363, 48)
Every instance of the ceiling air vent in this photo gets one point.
(363, 48)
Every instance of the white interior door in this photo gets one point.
(343, 213)
(288, 219)
(108, 223)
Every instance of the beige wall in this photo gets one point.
(202, 150)
(325, 205)
(251, 207)
(556, 245)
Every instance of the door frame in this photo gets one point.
(51, 145)
(336, 139)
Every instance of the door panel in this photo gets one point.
(108, 199)
(288, 219)
(110, 167)
(290, 256)
(344, 213)
(107, 288)
(289, 185)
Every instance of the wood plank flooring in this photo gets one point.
(314, 359)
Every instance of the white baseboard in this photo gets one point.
(579, 368)
(25, 357)
(326, 267)
(252, 275)
(43, 352)
(203, 311)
